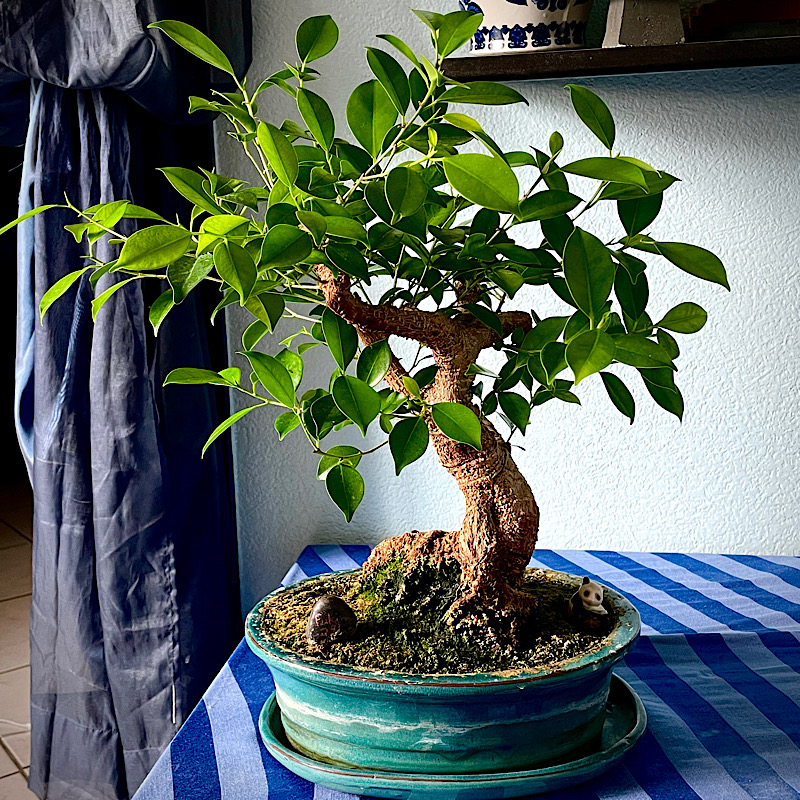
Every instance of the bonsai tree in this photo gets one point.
(347, 240)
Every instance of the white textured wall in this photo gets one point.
(725, 480)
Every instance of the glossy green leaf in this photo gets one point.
(557, 231)
(348, 259)
(317, 116)
(456, 29)
(223, 426)
(589, 273)
(221, 226)
(370, 115)
(293, 364)
(27, 215)
(236, 267)
(412, 387)
(58, 289)
(102, 299)
(547, 205)
(286, 423)
(153, 248)
(516, 408)
(162, 305)
(594, 113)
(279, 152)
(109, 214)
(189, 184)
(254, 333)
(346, 488)
(195, 42)
(639, 351)
(341, 338)
(401, 47)
(346, 228)
(316, 37)
(196, 377)
(357, 400)
(637, 214)
(405, 191)
(391, 76)
(267, 308)
(341, 453)
(457, 422)
(619, 394)
(548, 330)
(187, 273)
(607, 169)
(408, 441)
(589, 352)
(486, 316)
(273, 376)
(669, 399)
(684, 318)
(374, 362)
(484, 93)
(284, 246)
(696, 261)
(553, 359)
(484, 180)
(315, 224)
(632, 297)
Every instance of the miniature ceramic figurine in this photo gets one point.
(330, 620)
(586, 606)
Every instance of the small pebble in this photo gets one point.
(330, 620)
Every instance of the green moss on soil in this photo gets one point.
(401, 625)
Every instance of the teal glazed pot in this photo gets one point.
(444, 724)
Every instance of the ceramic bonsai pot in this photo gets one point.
(444, 724)
(525, 26)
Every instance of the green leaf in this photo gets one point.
(508, 280)
(163, 304)
(279, 152)
(58, 289)
(486, 316)
(484, 180)
(668, 343)
(223, 426)
(639, 351)
(100, 301)
(433, 20)
(212, 229)
(547, 205)
(516, 408)
(632, 297)
(608, 169)
(637, 214)
(189, 184)
(186, 274)
(154, 248)
(408, 441)
(341, 453)
(286, 423)
(589, 273)
(317, 116)
(195, 42)
(315, 223)
(341, 338)
(553, 359)
(594, 113)
(669, 399)
(456, 29)
(357, 400)
(696, 261)
(412, 387)
(457, 422)
(619, 394)
(266, 308)
(348, 259)
(684, 318)
(391, 76)
(484, 93)
(401, 47)
(548, 330)
(346, 488)
(346, 228)
(293, 364)
(254, 333)
(196, 377)
(284, 246)
(273, 376)
(236, 267)
(27, 215)
(374, 362)
(557, 230)
(405, 191)
(316, 37)
(370, 115)
(589, 352)
(109, 214)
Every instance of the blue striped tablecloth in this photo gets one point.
(718, 668)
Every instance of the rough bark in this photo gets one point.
(498, 534)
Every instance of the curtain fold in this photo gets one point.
(135, 596)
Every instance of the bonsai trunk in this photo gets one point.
(498, 534)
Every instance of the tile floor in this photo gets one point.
(16, 512)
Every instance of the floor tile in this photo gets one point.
(9, 537)
(15, 687)
(20, 519)
(15, 571)
(14, 624)
(19, 745)
(15, 787)
(7, 766)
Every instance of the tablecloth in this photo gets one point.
(717, 667)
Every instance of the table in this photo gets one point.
(717, 666)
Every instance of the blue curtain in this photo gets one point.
(135, 596)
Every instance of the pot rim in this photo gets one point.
(618, 642)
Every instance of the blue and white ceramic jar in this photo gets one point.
(525, 26)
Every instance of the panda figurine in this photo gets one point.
(586, 606)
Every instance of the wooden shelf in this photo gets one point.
(626, 60)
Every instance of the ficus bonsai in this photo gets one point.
(399, 234)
